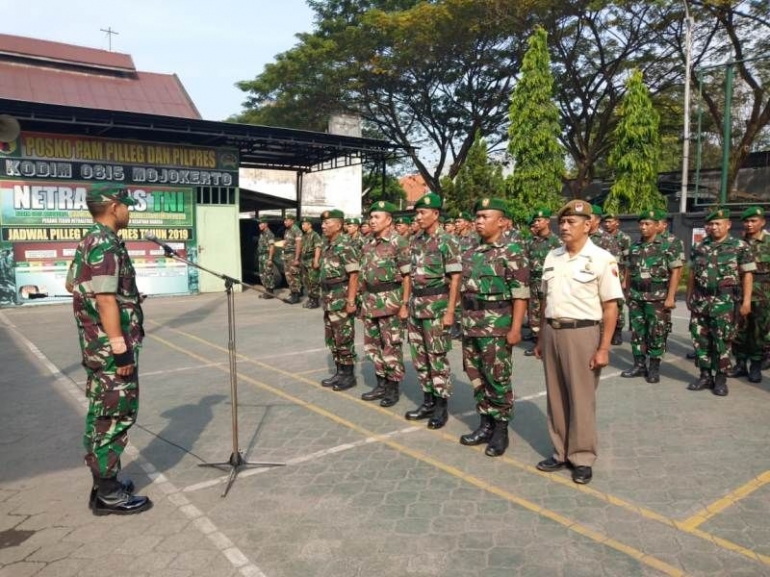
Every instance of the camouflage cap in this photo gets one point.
(575, 208)
(753, 211)
(596, 210)
(465, 215)
(353, 221)
(109, 192)
(403, 220)
(718, 214)
(333, 213)
(491, 204)
(430, 200)
(383, 206)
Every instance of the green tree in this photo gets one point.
(534, 133)
(636, 153)
(375, 189)
(477, 177)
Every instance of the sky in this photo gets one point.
(210, 45)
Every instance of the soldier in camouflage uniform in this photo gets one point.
(611, 224)
(677, 249)
(609, 243)
(384, 288)
(469, 238)
(109, 318)
(720, 274)
(753, 333)
(495, 289)
(366, 231)
(403, 224)
(435, 278)
(311, 263)
(265, 250)
(339, 285)
(292, 252)
(654, 270)
(537, 248)
(353, 230)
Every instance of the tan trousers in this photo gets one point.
(571, 388)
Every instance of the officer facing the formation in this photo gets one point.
(339, 284)
(384, 289)
(611, 224)
(654, 270)
(292, 252)
(311, 263)
(435, 278)
(108, 314)
(581, 287)
(265, 251)
(537, 248)
(753, 334)
(495, 289)
(720, 279)
(403, 224)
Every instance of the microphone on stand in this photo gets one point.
(166, 248)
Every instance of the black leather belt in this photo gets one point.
(470, 304)
(579, 324)
(426, 292)
(330, 284)
(718, 291)
(762, 276)
(382, 287)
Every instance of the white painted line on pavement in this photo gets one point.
(232, 553)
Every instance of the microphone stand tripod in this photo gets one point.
(237, 460)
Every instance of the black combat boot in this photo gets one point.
(617, 336)
(293, 299)
(128, 487)
(766, 362)
(440, 413)
(268, 294)
(499, 442)
(691, 356)
(720, 385)
(456, 331)
(377, 392)
(482, 434)
(705, 381)
(653, 374)
(330, 381)
(638, 370)
(738, 370)
(113, 499)
(531, 352)
(312, 303)
(347, 378)
(755, 372)
(423, 411)
(391, 394)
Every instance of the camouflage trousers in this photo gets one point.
(753, 333)
(429, 343)
(340, 334)
(712, 331)
(310, 280)
(266, 272)
(113, 403)
(534, 310)
(488, 363)
(382, 344)
(649, 321)
(293, 273)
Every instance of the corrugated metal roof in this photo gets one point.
(57, 51)
(146, 92)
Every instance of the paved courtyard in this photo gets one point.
(681, 487)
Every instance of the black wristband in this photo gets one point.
(123, 359)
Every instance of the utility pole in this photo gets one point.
(689, 23)
(109, 32)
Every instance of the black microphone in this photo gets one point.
(166, 248)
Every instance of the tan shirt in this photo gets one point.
(575, 287)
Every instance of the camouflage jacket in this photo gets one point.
(338, 259)
(434, 258)
(469, 240)
(606, 241)
(266, 240)
(290, 237)
(677, 246)
(492, 273)
(760, 248)
(102, 266)
(623, 242)
(310, 241)
(384, 261)
(537, 248)
(649, 269)
(511, 235)
(716, 268)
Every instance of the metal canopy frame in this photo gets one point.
(259, 146)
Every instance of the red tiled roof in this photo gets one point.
(415, 186)
(57, 51)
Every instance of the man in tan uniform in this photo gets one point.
(581, 287)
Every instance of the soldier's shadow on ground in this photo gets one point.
(184, 427)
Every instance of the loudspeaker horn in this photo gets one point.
(9, 128)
